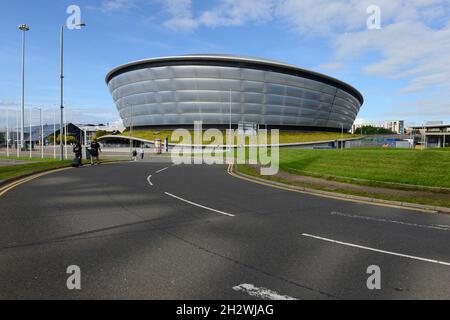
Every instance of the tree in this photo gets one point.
(373, 130)
(101, 133)
(70, 139)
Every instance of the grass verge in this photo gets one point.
(372, 167)
(17, 171)
(418, 200)
(425, 174)
(285, 136)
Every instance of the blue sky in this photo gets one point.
(403, 69)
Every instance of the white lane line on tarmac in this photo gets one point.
(377, 250)
(199, 205)
(261, 293)
(437, 227)
(159, 171)
(149, 180)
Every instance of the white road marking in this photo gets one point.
(149, 180)
(159, 171)
(199, 205)
(437, 227)
(261, 293)
(377, 250)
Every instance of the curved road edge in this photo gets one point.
(12, 183)
(232, 170)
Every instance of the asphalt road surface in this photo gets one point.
(157, 231)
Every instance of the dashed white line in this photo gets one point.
(377, 250)
(261, 293)
(437, 227)
(159, 171)
(199, 205)
(149, 180)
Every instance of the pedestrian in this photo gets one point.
(142, 152)
(94, 150)
(134, 155)
(77, 162)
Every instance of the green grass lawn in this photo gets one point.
(414, 167)
(285, 136)
(36, 165)
(10, 172)
(28, 159)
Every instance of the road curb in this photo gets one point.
(406, 205)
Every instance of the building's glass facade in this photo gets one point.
(175, 95)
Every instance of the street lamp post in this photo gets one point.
(17, 133)
(31, 143)
(131, 129)
(231, 135)
(24, 28)
(42, 133)
(7, 132)
(54, 133)
(61, 144)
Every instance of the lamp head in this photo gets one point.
(24, 27)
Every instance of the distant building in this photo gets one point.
(90, 130)
(434, 135)
(397, 126)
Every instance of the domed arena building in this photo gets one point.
(173, 92)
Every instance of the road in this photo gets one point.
(156, 231)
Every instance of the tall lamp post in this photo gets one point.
(61, 144)
(42, 132)
(41, 142)
(24, 28)
(7, 132)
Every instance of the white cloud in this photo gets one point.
(108, 6)
(413, 43)
(225, 13)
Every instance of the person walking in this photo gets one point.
(142, 153)
(77, 162)
(134, 155)
(95, 150)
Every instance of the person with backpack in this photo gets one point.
(77, 150)
(94, 150)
